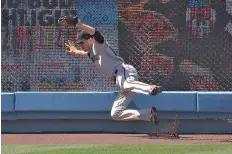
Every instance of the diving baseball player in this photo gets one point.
(95, 47)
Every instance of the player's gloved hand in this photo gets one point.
(68, 20)
(71, 46)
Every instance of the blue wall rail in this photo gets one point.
(198, 112)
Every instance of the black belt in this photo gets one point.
(116, 71)
(114, 77)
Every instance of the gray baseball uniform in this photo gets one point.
(110, 65)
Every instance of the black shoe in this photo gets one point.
(155, 90)
(154, 116)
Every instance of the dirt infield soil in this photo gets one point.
(111, 139)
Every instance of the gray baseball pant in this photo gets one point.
(127, 80)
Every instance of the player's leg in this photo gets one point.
(129, 81)
(120, 112)
(140, 87)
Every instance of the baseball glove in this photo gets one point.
(68, 20)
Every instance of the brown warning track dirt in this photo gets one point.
(112, 139)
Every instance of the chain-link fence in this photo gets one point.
(178, 44)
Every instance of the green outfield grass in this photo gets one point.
(119, 149)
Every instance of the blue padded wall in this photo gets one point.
(63, 101)
(199, 112)
(169, 101)
(214, 101)
(8, 100)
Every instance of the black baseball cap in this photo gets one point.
(83, 36)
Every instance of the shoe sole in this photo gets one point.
(154, 118)
(156, 90)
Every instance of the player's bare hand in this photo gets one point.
(71, 46)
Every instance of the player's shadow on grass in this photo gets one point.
(226, 140)
(192, 138)
(181, 137)
(160, 136)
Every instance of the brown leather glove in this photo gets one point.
(68, 20)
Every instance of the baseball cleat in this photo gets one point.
(155, 90)
(154, 116)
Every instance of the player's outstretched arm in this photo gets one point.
(86, 28)
(92, 31)
(72, 49)
(74, 21)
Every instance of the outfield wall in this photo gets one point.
(198, 112)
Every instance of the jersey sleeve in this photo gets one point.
(98, 37)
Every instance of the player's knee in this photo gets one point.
(114, 115)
